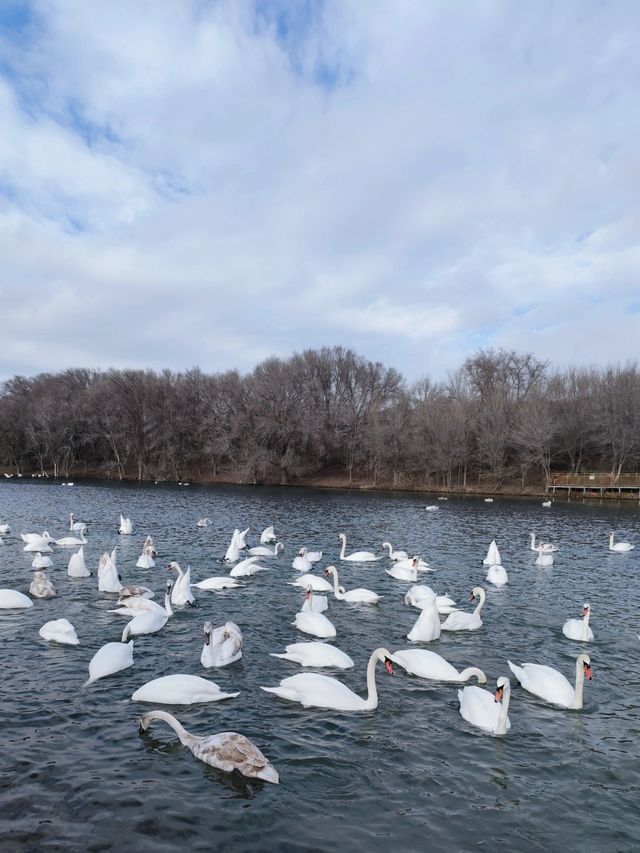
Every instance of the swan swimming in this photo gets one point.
(312, 556)
(110, 658)
(551, 685)
(619, 547)
(125, 528)
(427, 627)
(246, 568)
(40, 562)
(314, 603)
(493, 555)
(395, 555)
(150, 621)
(11, 599)
(268, 536)
(578, 629)
(265, 551)
(42, 586)
(316, 583)
(232, 554)
(181, 592)
(213, 584)
(76, 526)
(227, 751)
(71, 541)
(77, 567)
(59, 631)
(357, 556)
(315, 624)
(352, 596)
(542, 547)
(315, 654)
(180, 689)
(145, 560)
(487, 711)
(222, 646)
(313, 690)
(204, 522)
(544, 559)
(461, 621)
(427, 664)
(108, 578)
(497, 575)
(420, 594)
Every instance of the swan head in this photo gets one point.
(385, 657)
(501, 683)
(173, 565)
(341, 536)
(330, 570)
(586, 666)
(586, 609)
(207, 630)
(169, 587)
(476, 592)
(302, 552)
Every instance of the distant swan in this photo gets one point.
(487, 711)
(461, 621)
(357, 556)
(77, 526)
(125, 527)
(316, 654)
(313, 690)
(227, 751)
(542, 547)
(222, 646)
(551, 685)
(204, 522)
(353, 596)
(395, 555)
(620, 547)
(578, 629)
(71, 541)
(427, 664)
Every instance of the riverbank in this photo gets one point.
(337, 481)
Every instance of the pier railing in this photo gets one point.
(595, 481)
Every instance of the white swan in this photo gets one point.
(432, 508)
(315, 624)
(420, 594)
(315, 654)
(246, 568)
(316, 583)
(232, 554)
(215, 583)
(42, 586)
(312, 556)
(301, 564)
(125, 528)
(181, 592)
(314, 603)
(460, 621)
(71, 541)
(427, 664)
(265, 551)
(150, 545)
(38, 543)
(226, 751)
(77, 567)
(619, 547)
(395, 555)
(546, 504)
(544, 559)
(222, 646)
(409, 573)
(313, 690)
(497, 575)
(204, 522)
(268, 536)
(40, 562)
(110, 658)
(11, 599)
(551, 685)
(427, 626)
(542, 547)
(241, 539)
(149, 621)
(76, 526)
(59, 631)
(180, 689)
(493, 555)
(357, 556)
(108, 578)
(485, 710)
(5, 529)
(145, 560)
(352, 596)
(578, 629)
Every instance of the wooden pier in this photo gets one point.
(595, 485)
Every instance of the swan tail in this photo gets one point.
(517, 671)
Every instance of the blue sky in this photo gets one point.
(210, 183)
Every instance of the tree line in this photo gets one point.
(501, 416)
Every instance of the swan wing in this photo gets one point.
(545, 682)
(231, 751)
(426, 664)
(315, 690)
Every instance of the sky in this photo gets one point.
(210, 182)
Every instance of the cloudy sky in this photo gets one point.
(210, 183)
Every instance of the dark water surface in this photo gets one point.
(411, 775)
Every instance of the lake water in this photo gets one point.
(411, 775)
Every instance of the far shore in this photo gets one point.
(336, 482)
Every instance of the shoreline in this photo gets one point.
(336, 483)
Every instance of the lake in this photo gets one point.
(412, 775)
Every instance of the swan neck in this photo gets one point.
(343, 539)
(372, 691)
(585, 625)
(185, 738)
(577, 699)
(167, 604)
(483, 598)
(470, 671)
(336, 588)
(501, 728)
